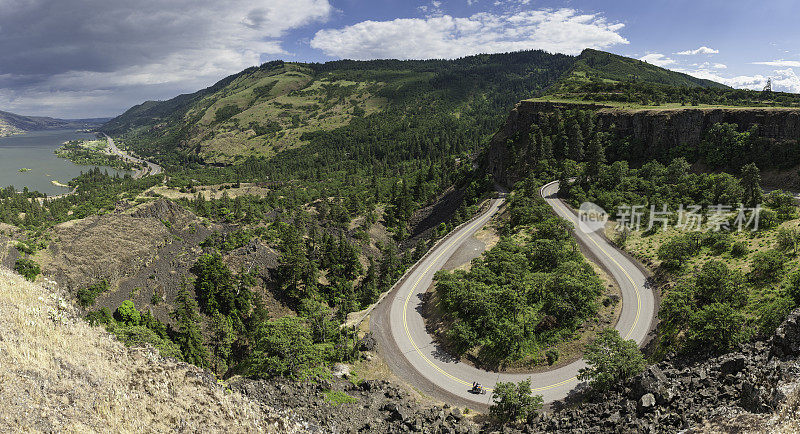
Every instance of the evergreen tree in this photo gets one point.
(751, 183)
(188, 336)
(547, 148)
(575, 142)
(595, 157)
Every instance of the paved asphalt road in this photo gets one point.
(153, 169)
(411, 353)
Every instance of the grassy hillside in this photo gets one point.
(259, 112)
(278, 106)
(621, 81)
(60, 374)
(593, 64)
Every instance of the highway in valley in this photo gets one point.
(151, 168)
(414, 356)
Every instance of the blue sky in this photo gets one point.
(86, 58)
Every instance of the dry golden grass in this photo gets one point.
(58, 374)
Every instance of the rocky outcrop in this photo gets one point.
(655, 130)
(669, 396)
(371, 406)
(524, 115)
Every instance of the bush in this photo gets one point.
(100, 317)
(512, 402)
(24, 248)
(787, 239)
(767, 265)
(127, 314)
(717, 327)
(552, 356)
(791, 286)
(676, 251)
(86, 296)
(284, 347)
(611, 360)
(27, 268)
(337, 397)
(137, 335)
(739, 249)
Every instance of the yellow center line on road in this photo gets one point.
(449, 245)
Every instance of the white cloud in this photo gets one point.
(701, 50)
(64, 49)
(563, 31)
(657, 59)
(780, 63)
(784, 80)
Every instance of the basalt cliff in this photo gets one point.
(653, 133)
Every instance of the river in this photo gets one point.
(34, 151)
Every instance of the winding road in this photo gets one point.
(152, 168)
(413, 354)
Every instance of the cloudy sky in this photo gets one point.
(92, 58)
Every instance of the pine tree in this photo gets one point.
(534, 146)
(595, 156)
(575, 142)
(188, 336)
(547, 148)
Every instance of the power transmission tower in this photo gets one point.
(768, 87)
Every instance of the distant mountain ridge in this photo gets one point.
(12, 123)
(278, 106)
(613, 67)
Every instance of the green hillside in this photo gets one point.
(594, 65)
(280, 106)
(603, 77)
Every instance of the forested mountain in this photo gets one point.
(620, 81)
(277, 106)
(611, 67)
(11, 123)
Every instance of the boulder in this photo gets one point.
(367, 343)
(786, 340)
(732, 364)
(646, 403)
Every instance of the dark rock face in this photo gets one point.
(786, 341)
(378, 406)
(657, 130)
(669, 396)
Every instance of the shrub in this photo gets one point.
(100, 317)
(791, 286)
(86, 296)
(721, 243)
(512, 402)
(337, 397)
(787, 239)
(27, 268)
(24, 248)
(552, 356)
(127, 314)
(739, 249)
(716, 327)
(137, 335)
(611, 360)
(767, 265)
(676, 251)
